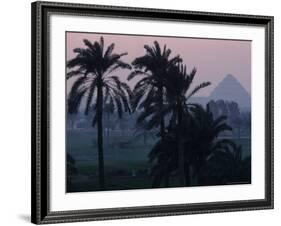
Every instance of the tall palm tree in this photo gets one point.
(93, 67)
(149, 91)
(178, 89)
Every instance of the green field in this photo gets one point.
(126, 162)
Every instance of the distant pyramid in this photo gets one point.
(231, 90)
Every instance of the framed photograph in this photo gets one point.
(148, 112)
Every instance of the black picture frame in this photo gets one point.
(40, 212)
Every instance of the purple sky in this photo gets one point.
(214, 59)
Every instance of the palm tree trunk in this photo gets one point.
(181, 158)
(162, 121)
(181, 161)
(107, 129)
(162, 132)
(100, 137)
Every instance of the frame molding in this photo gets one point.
(40, 211)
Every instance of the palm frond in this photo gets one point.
(101, 44)
(134, 74)
(157, 49)
(90, 96)
(88, 44)
(76, 94)
(192, 75)
(149, 50)
(109, 50)
(73, 73)
(197, 88)
(221, 128)
(219, 120)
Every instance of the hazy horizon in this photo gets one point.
(213, 58)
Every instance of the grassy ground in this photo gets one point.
(126, 161)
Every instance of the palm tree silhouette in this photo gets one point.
(163, 158)
(178, 89)
(227, 165)
(149, 91)
(199, 142)
(93, 67)
(203, 141)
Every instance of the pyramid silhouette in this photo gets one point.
(231, 90)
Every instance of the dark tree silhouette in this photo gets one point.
(71, 170)
(214, 109)
(222, 107)
(203, 140)
(227, 166)
(200, 141)
(92, 67)
(164, 158)
(179, 82)
(234, 116)
(150, 92)
(245, 123)
(142, 132)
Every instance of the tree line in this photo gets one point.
(188, 144)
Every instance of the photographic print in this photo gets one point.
(148, 112)
(142, 112)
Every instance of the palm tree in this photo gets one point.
(235, 116)
(227, 165)
(199, 142)
(92, 67)
(178, 86)
(149, 91)
(163, 158)
(203, 140)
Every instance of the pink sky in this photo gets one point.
(214, 59)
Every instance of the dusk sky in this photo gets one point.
(214, 59)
